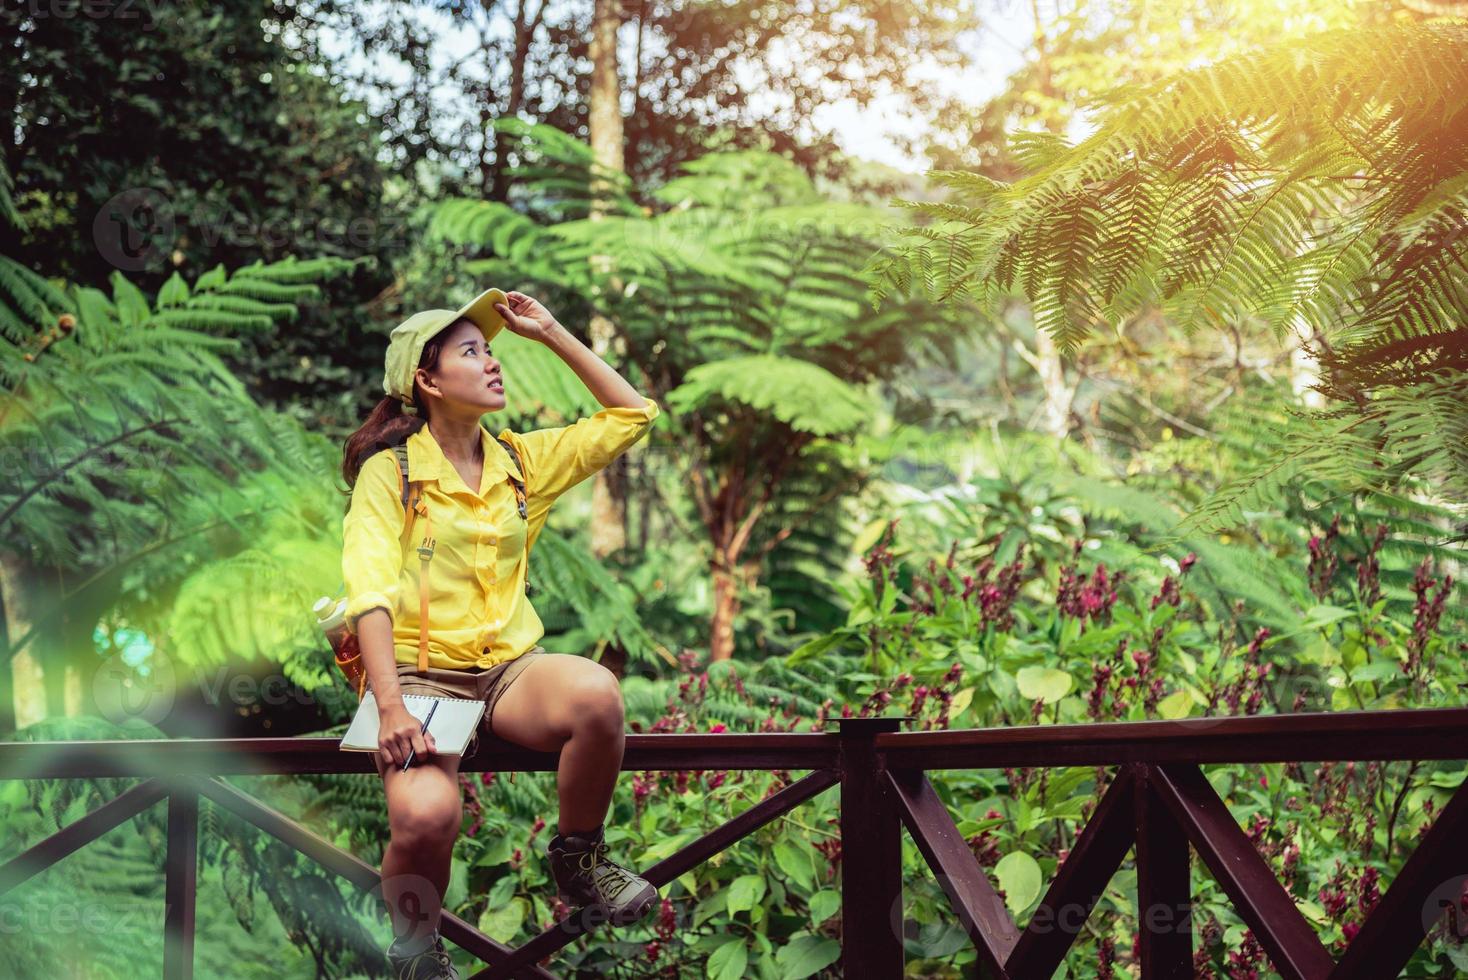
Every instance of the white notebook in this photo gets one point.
(452, 726)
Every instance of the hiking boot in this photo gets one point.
(586, 878)
(430, 963)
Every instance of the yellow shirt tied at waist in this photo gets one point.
(479, 613)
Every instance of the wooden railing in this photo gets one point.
(1158, 802)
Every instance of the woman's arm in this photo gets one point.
(398, 732)
(600, 378)
(528, 318)
(374, 636)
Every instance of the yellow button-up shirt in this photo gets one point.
(479, 614)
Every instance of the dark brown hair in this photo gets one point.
(388, 425)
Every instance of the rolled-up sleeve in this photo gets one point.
(372, 554)
(555, 460)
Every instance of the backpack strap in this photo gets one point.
(414, 505)
(520, 500)
(401, 452)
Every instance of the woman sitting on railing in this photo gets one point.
(471, 533)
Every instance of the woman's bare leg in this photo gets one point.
(425, 809)
(568, 704)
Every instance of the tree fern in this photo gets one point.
(742, 300)
(1318, 185)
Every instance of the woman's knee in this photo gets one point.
(595, 701)
(426, 819)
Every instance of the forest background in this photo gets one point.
(1128, 386)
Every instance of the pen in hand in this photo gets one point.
(431, 709)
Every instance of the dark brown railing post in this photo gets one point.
(181, 881)
(871, 855)
(1164, 886)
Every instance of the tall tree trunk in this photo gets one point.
(24, 702)
(726, 608)
(525, 25)
(604, 118)
(1059, 392)
(7, 672)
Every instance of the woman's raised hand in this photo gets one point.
(526, 317)
(398, 732)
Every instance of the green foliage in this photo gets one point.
(1317, 186)
(606, 610)
(123, 410)
(803, 396)
(742, 303)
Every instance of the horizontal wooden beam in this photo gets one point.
(293, 756)
(1435, 733)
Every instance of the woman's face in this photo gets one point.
(467, 377)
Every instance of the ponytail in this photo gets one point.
(388, 425)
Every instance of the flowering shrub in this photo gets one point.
(1018, 643)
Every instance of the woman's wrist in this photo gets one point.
(556, 335)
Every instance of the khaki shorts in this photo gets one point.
(473, 683)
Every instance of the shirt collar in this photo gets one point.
(426, 461)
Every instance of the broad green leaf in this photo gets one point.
(502, 892)
(794, 862)
(1381, 670)
(1319, 616)
(1313, 912)
(458, 889)
(504, 923)
(729, 961)
(745, 892)
(1044, 683)
(824, 904)
(1019, 876)
(498, 851)
(1175, 705)
(805, 955)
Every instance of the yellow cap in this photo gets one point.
(405, 345)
